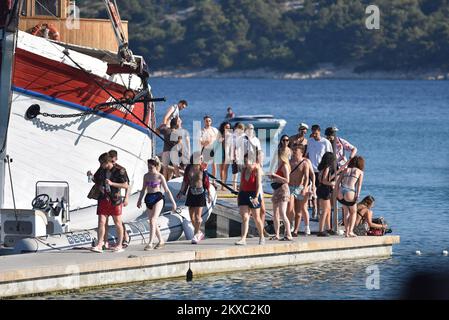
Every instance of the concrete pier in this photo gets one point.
(75, 269)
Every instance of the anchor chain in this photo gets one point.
(34, 110)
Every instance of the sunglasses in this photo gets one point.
(285, 140)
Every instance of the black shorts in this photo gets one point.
(317, 179)
(152, 198)
(324, 192)
(196, 200)
(243, 199)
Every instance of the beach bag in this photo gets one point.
(94, 192)
(377, 232)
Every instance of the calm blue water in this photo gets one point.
(400, 127)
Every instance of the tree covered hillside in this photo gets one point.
(284, 35)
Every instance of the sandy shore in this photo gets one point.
(323, 72)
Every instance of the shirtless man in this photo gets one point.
(300, 137)
(299, 184)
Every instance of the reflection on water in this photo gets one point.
(333, 280)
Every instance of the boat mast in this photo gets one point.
(9, 22)
(124, 53)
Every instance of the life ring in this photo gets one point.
(45, 31)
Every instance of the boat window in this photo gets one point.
(46, 8)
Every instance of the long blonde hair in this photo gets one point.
(284, 157)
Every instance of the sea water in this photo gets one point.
(401, 128)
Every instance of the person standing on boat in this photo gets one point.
(208, 141)
(196, 185)
(170, 151)
(250, 198)
(317, 146)
(300, 137)
(174, 112)
(229, 114)
(342, 145)
(110, 180)
(299, 187)
(154, 200)
(349, 186)
(281, 194)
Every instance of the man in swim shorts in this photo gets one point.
(299, 187)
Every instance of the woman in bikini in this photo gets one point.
(326, 185)
(281, 193)
(348, 189)
(250, 198)
(196, 184)
(154, 200)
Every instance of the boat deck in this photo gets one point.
(74, 269)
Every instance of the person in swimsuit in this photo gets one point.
(299, 184)
(226, 143)
(300, 137)
(348, 189)
(281, 194)
(154, 200)
(196, 185)
(326, 185)
(250, 198)
(365, 214)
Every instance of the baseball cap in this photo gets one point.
(302, 125)
(330, 131)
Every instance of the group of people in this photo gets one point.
(309, 168)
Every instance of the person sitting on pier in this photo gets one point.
(110, 180)
(364, 220)
(250, 198)
(299, 184)
(154, 200)
(281, 192)
(348, 193)
(174, 112)
(196, 185)
(326, 183)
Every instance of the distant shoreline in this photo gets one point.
(322, 72)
